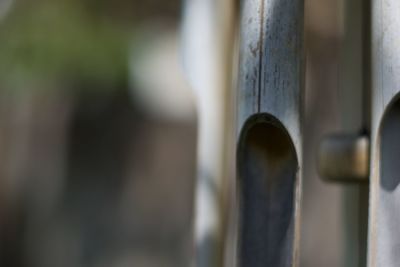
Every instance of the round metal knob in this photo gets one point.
(344, 158)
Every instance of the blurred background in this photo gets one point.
(98, 134)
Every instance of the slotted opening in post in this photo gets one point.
(390, 148)
(267, 168)
(389, 193)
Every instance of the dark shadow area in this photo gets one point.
(390, 148)
(388, 219)
(267, 173)
(102, 128)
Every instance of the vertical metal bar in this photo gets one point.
(384, 231)
(353, 94)
(269, 132)
(207, 34)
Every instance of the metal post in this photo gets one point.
(207, 35)
(384, 221)
(269, 132)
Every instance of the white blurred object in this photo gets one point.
(5, 7)
(156, 75)
(207, 43)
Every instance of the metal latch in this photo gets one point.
(344, 158)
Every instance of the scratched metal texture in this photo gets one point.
(270, 97)
(384, 222)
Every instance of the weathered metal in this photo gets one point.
(207, 34)
(270, 95)
(384, 219)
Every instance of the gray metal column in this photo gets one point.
(384, 221)
(269, 151)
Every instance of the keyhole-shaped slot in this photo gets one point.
(389, 192)
(267, 169)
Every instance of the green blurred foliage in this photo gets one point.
(49, 41)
